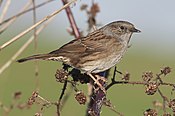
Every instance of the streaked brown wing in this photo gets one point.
(76, 50)
(91, 43)
(71, 47)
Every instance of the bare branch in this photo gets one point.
(33, 26)
(5, 10)
(125, 82)
(11, 20)
(60, 98)
(164, 100)
(8, 63)
(24, 11)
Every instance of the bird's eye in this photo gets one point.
(122, 27)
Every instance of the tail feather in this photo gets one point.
(39, 56)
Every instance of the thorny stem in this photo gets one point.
(96, 99)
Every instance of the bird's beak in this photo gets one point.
(135, 30)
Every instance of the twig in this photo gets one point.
(63, 90)
(33, 26)
(24, 11)
(60, 98)
(126, 82)
(114, 74)
(66, 96)
(136, 83)
(158, 77)
(72, 22)
(112, 79)
(8, 63)
(164, 100)
(7, 24)
(5, 10)
(108, 104)
(168, 84)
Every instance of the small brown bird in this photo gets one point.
(96, 52)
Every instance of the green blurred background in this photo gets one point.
(150, 51)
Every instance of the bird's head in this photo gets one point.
(120, 29)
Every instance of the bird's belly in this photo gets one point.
(108, 63)
(102, 64)
(105, 62)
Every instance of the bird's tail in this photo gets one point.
(37, 57)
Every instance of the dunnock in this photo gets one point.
(96, 52)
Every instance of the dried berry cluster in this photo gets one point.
(33, 98)
(151, 86)
(80, 97)
(147, 76)
(61, 75)
(172, 105)
(150, 112)
(166, 70)
(153, 82)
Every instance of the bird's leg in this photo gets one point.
(97, 82)
(101, 78)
